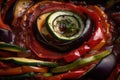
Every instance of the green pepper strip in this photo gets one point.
(80, 62)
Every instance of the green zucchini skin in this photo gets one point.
(11, 47)
(46, 39)
(80, 62)
(62, 23)
(18, 77)
(30, 62)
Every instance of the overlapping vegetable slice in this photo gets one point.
(98, 38)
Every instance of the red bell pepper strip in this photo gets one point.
(22, 70)
(2, 65)
(73, 74)
(8, 4)
(96, 37)
(4, 26)
(101, 13)
(42, 52)
(38, 49)
(70, 75)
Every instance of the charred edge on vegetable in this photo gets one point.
(66, 47)
(17, 77)
(5, 35)
(10, 14)
(29, 62)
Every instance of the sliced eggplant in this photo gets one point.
(49, 41)
(5, 35)
(41, 24)
(105, 67)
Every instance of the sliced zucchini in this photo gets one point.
(65, 25)
(31, 62)
(48, 40)
(18, 77)
(11, 47)
(80, 62)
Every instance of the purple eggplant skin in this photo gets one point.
(116, 51)
(66, 46)
(5, 35)
(105, 67)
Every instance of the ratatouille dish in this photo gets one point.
(59, 40)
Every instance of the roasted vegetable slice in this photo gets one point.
(80, 62)
(11, 47)
(5, 35)
(20, 7)
(31, 62)
(22, 70)
(71, 22)
(18, 77)
(65, 25)
(40, 24)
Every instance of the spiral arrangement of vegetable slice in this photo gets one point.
(61, 30)
(85, 47)
(65, 25)
(64, 37)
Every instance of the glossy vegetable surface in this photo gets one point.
(31, 62)
(22, 70)
(59, 40)
(65, 25)
(10, 47)
(18, 77)
(80, 62)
